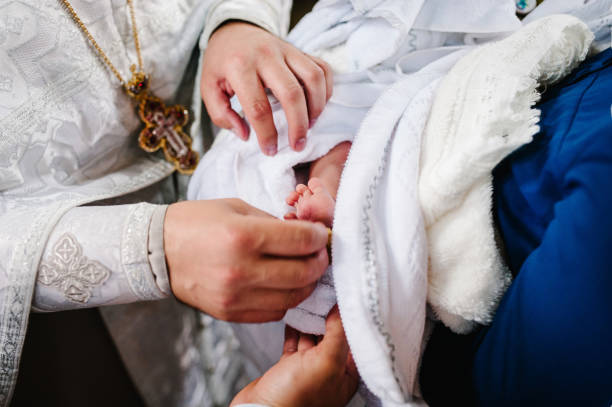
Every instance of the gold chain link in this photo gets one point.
(135, 34)
(94, 43)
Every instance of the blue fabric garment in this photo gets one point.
(550, 342)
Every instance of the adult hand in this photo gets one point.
(307, 374)
(244, 59)
(238, 263)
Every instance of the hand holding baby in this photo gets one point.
(244, 60)
(238, 263)
(310, 372)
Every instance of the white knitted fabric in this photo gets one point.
(483, 111)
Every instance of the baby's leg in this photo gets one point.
(316, 201)
(329, 167)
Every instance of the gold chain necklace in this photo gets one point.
(163, 125)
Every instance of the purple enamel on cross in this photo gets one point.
(163, 126)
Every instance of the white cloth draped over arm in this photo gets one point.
(103, 255)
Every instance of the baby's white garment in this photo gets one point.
(309, 316)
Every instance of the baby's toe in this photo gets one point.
(303, 210)
(292, 198)
(315, 185)
(301, 188)
(307, 193)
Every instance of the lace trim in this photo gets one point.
(72, 272)
(14, 310)
(135, 253)
(371, 267)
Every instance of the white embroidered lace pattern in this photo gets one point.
(71, 271)
(134, 254)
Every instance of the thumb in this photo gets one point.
(334, 344)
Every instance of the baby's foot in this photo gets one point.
(312, 202)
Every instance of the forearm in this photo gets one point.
(99, 256)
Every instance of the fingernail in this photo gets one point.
(271, 150)
(311, 123)
(300, 144)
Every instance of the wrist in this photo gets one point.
(248, 397)
(230, 23)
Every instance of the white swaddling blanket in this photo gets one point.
(480, 112)
(380, 245)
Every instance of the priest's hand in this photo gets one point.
(307, 374)
(238, 263)
(244, 60)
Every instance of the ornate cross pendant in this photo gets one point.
(163, 126)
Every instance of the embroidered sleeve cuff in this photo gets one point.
(135, 253)
(271, 15)
(102, 255)
(157, 256)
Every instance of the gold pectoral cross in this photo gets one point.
(163, 126)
